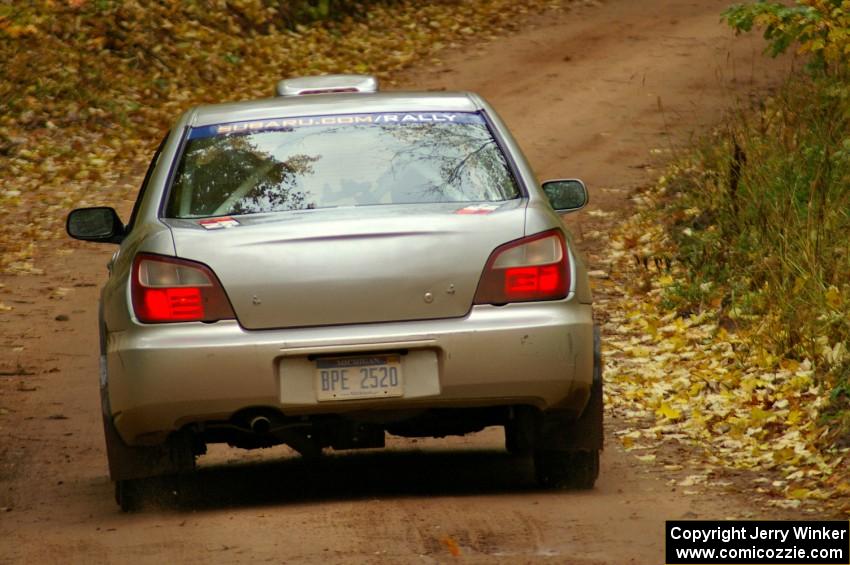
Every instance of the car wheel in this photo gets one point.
(134, 494)
(128, 494)
(521, 429)
(575, 469)
(512, 441)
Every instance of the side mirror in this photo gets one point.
(100, 224)
(566, 195)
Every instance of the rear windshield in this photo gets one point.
(342, 160)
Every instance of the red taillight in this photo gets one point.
(529, 269)
(173, 303)
(166, 289)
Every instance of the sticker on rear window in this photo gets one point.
(395, 118)
(478, 209)
(218, 223)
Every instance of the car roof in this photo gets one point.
(329, 104)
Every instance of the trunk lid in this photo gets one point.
(351, 265)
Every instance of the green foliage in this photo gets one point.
(821, 27)
(761, 218)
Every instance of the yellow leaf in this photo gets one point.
(799, 493)
(794, 417)
(784, 455)
(668, 412)
(758, 415)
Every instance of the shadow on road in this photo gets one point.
(352, 476)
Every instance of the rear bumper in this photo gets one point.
(163, 377)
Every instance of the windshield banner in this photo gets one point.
(284, 124)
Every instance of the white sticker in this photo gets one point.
(218, 223)
(478, 209)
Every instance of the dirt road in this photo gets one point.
(595, 93)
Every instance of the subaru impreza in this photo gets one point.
(337, 263)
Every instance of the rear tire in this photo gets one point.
(128, 495)
(142, 473)
(134, 494)
(567, 455)
(577, 469)
(520, 430)
(512, 444)
(147, 474)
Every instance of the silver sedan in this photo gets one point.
(333, 264)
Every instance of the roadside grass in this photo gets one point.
(88, 88)
(760, 220)
(732, 328)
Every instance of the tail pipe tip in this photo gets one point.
(260, 424)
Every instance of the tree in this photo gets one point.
(821, 27)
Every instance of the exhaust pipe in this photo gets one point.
(260, 425)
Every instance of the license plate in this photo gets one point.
(353, 378)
